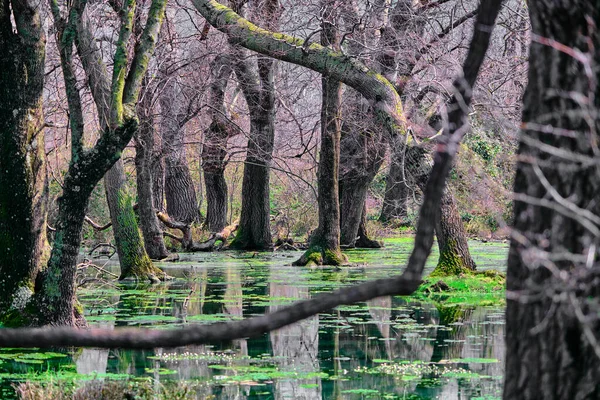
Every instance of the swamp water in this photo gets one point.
(445, 347)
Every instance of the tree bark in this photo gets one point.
(23, 176)
(324, 247)
(157, 166)
(552, 277)
(133, 258)
(362, 237)
(455, 257)
(180, 194)
(257, 83)
(144, 149)
(214, 149)
(396, 191)
(254, 231)
(361, 155)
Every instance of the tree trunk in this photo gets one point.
(362, 237)
(455, 257)
(23, 176)
(552, 314)
(144, 149)
(214, 149)
(324, 247)
(254, 232)
(257, 83)
(133, 258)
(396, 191)
(361, 155)
(55, 286)
(157, 166)
(180, 194)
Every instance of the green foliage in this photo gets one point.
(483, 146)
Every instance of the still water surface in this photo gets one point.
(387, 348)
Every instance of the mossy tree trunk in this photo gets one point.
(552, 320)
(23, 176)
(455, 257)
(133, 257)
(214, 149)
(144, 150)
(54, 298)
(324, 246)
(257, 83)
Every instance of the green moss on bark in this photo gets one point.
(318, 255)
(450, 262)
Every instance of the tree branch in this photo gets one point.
(334, 64)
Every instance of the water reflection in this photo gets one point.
(294, 347)
(390, 346)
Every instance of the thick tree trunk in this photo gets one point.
(180, 194)
(455, 257)
(361, 155)
(55, 286)
(144, 148)
(257, 83)
(362, 237)
(23, 176)
(254, 232)
(214, 149)
(396, 190)
(133, 258)
(324, 247)
(552, 312)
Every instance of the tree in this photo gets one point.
(23, 176)
(455, 257)
(361, 149)
(53, 301)
(179, 190)
(133, 258)
(324, 247)
(144, 151)
(552, 279)
(256, 80)
(214, 149)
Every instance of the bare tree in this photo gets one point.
(324, 247)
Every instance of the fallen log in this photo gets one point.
(187, 241)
